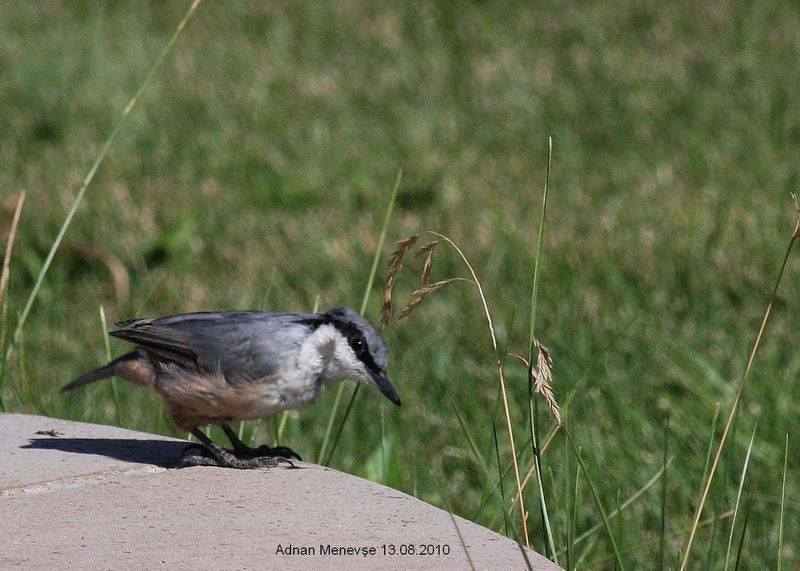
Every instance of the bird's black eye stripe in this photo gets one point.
(356, 341)
(359, 345)
(354, 338)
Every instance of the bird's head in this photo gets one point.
(354, 350)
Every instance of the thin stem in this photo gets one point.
(535, 288)
(367, 291)
(739, 390)
(113, 381)
(739, 498)
(596, 495)
(4, 276)
(90, 176)
(783, 504)
(501, 377)
(532, 403)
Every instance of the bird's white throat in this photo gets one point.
(327, 354)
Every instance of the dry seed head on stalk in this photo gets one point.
(541, 377)
(12, 232)
(797, 210)
(423, 292)
(402, 246)
(426, 268)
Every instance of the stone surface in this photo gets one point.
(99, 497)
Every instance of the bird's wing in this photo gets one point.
(243, 345)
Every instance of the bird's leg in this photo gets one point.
(242, 450)
(239, 447)
(218, 456)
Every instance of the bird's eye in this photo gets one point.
(358, 345)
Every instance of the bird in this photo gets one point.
(214, 367)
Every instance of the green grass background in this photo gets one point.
(255, 173)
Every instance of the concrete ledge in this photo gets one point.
(93, 497)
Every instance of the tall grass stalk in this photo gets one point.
(539, 243)
(113, 380)
(712, 546)
(739, 498)
(571, 514)
(650, 545)
(584, 376)
(501, 379)
(629, 501)
(17, 387)
(533, 423)
(712, 435)
(384, 453)
(4, 277)
(662, 544)
(88, 179)
(576, 539)
(779, 564)
(12, 234)
(598, 502)
(364, 301)
(737, 399)
(740, 549)
(3, 328)
(455, 524)
(499, 471)
(488, 474)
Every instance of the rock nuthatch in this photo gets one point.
(216, 367)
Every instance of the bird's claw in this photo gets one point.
(224, 458)
(277, 451)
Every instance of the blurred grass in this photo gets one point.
(256, 171)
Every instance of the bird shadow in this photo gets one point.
(164, 453)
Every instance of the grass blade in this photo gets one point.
(584, 376)
(737, 399)
(533, 424)
(538, 257)
(455, 525)
(779, 565)
(4, 276)
(12, 233)
(550, 550)
(711, 435)
(572, 515)
(597, 501)
(384, 454)
(632, 498)
(488, 474)
(499, 471)
(663, 539)
(113, 381)
(648, 545)
(744, 532)
(739, 498)
(89, 177)
(501, 379)
(365, 300)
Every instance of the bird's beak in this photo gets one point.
(383, 384)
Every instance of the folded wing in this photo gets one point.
(243, 345)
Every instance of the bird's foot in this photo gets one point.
(196, 455)
(243, 450)
(214, 455)
(264, 450)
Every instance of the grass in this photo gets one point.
(256, 169)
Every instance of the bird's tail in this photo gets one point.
(102, 373)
